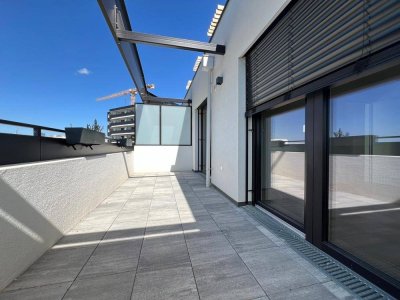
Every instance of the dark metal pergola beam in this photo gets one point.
(171, 42)
(151, 99)
(115, 12)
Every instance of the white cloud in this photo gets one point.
(84, 71)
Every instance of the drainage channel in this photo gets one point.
(352, 282)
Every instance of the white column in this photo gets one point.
(208, 135)
(208, 66)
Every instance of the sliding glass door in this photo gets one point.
(330, 166)
(282, 157)
(364, 170)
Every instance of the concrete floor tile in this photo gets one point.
(157, 256)
(55, 266)
(115, 286)
(113, 258)
(119, 250)
(201, 226)
(288, 276)
(209, 249)
(172, 283)
(280, 275)
(46, 292)
(245, 240)
(226, 279)
(98, 267)
(268, 259)
(164, 230)
(313, 292)
(128, 233)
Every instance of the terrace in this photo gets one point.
(123, 220)
(167, 236)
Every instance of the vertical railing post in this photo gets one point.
(37, 131)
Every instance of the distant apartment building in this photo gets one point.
(121, 122)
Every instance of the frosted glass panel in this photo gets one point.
(175, 125)
(147, 124)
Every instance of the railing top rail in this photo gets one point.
(13, 123)
(389, 137)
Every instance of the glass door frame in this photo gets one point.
(201, 136)
(257, 169)
(315, 207)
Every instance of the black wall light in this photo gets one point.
(219, 80)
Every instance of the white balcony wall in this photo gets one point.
(240, 26)
(39, 202)
(159, 159)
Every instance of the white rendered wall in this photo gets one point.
(39, 202)
(162, 159)
(240, 26)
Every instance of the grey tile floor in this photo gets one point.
(166, 236)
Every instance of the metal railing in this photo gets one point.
(115, 115)
(37, 130)
(129, 122)
(20, 148)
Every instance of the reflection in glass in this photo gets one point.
(283, 162)
(364, 171)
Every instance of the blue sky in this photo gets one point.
(44, 43)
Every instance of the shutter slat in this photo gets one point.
(315, 38)
(329, 30)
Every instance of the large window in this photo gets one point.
(283, 161)
(364, 170)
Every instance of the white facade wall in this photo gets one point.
(162, 159)
(39, 202)
(240, 26)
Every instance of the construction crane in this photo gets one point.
(132, 92)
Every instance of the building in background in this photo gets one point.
(121, 122)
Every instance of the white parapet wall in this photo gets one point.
(39, 202)
(155, 159)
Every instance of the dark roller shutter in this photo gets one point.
(314, 38)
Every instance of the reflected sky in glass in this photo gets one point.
(288, 126)
(370, 111)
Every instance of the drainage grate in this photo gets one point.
(351, 281)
